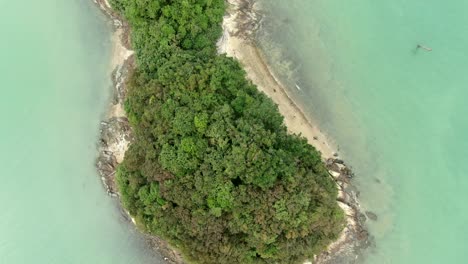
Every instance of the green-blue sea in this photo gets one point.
(398, 114)
(55, 87)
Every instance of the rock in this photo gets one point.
(363, 235)
(361, 217)
(119, 77)
(334, 167)
(338, 161)
(372, 216)
(340, 166)
(117, 23)
(335, 154)
(334, 174)
(115, 138)
(347, 172)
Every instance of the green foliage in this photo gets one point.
(213, 169)
(160, 27)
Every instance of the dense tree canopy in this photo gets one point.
(213, 169)
(159, 26)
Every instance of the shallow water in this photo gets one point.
(397, 113)
(55, 89)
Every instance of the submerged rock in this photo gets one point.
(372, 216)
(338, 161)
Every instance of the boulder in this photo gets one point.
(334, 174)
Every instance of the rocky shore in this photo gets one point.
(115, 131)
(354, 238)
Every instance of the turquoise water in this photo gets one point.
(398, 114)
(55, 87)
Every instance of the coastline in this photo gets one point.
(239, 26)
(115, 130)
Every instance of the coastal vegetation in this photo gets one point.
(212, 168)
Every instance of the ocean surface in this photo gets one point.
(55, 87)
(398, 114)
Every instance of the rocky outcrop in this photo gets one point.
(371, 215)
(116, 135)
(354, 238)
(115, 132)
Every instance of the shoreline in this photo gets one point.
(239, 26)
(115, 130)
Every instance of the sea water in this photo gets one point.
(398, 113)
(55, 88)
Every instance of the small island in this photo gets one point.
(211, 167)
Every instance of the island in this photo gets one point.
(211, 167)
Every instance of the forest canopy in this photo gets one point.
(212, 169)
